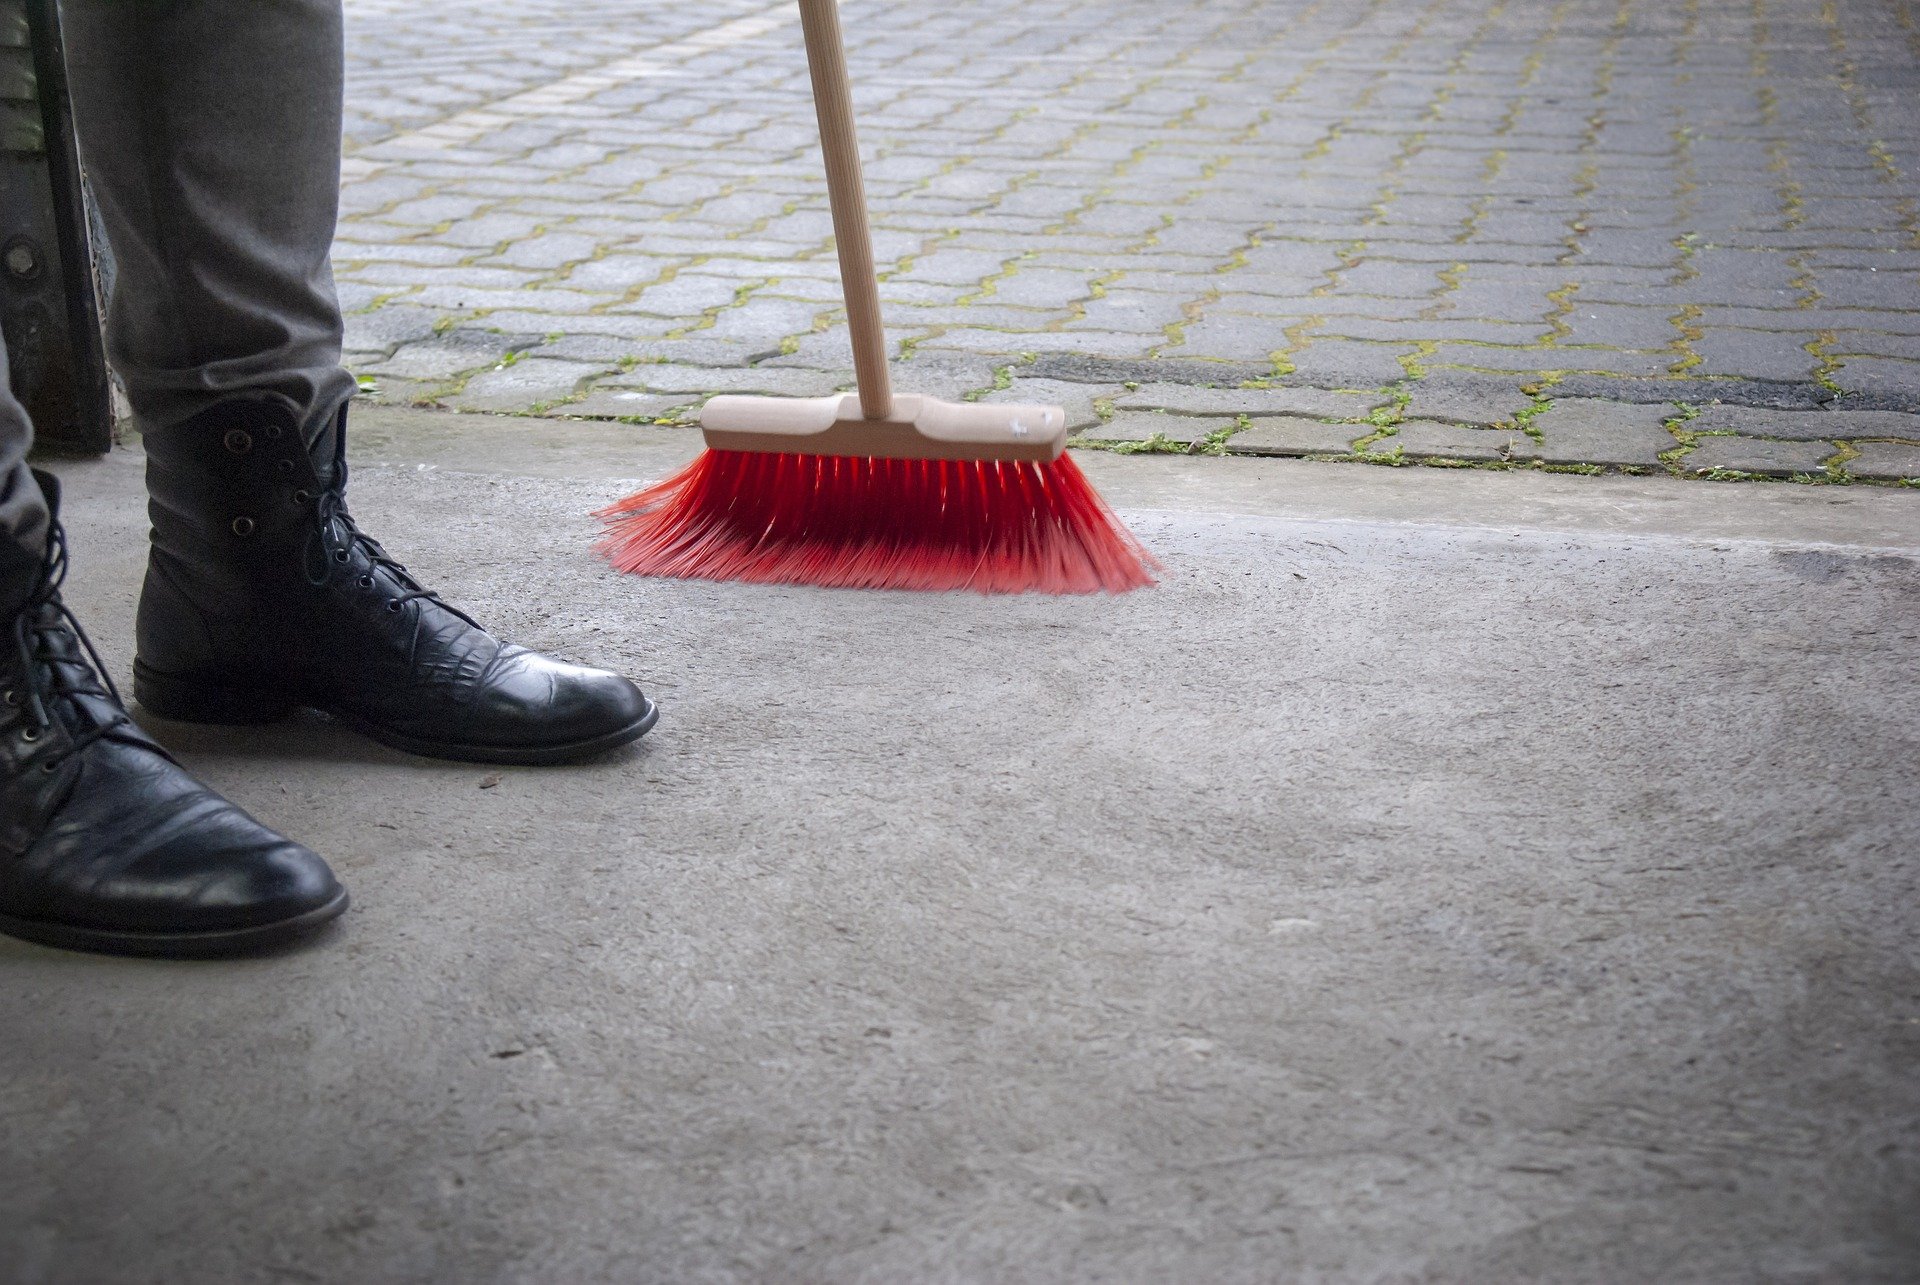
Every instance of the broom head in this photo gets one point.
(938, 495)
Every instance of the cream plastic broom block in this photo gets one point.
(919, 428)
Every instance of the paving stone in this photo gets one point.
(1343, 313)
(1757, 354)
(1387, 277)
(1854, 288)
(952, 376)
(446, 355)
(957, 267)
(1880, 375)
(385, 328)
(1449, 330)
(349, 258)
(607, 349)
(1076, 399)
(357, 297)
(1541, 360)
(1104, 370)
(1696, 392)
(1141, 426)
(1042, 288)
(1618, 326)
(777, 381)
(440, 209)
(628, 327)
(623, 403)
(616, 274)
(1756, 455)
(1344, 363)
(1886, 460)
(763, 322)
(431, 275)
(391, 390)
(552, 250)
(1735, 276)
(1294, 435)
(829, 349)
(1130, 311)
(1866, 343)
(1015, 342)
(1425, 439)
(553, 305)
(1805, 425)
(686, 296)
(1839, 319)
(904, 317)
(1232, 338)
(1466, 405)
(1580, 430)
(1185, 399)
(523, 385)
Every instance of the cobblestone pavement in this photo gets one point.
(1593, 234)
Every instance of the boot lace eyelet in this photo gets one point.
(243, 526)
(301, 497)
(339, 555)
(273, 432)
(239, 441)
(31, 735)
(50, 767)
(366, 582)
(394, 605)
(285, 466)
(11, 699)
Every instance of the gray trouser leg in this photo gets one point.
(210, 131)
(23, 511)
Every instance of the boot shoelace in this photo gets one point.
(48, 671)
(332, 514)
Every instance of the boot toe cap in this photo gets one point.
(590, 701)
(138, 847)
(538, 702)
(264, 884)
(226, 874)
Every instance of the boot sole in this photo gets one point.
(191, 701)
(213, 945)
(516, 755)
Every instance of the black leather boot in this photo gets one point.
(262, 595)
(106, 843)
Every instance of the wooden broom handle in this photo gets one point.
(833, 100)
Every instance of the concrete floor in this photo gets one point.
(1442, 876)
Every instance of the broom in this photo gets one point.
(873, 490)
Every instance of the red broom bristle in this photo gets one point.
(840, 522)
